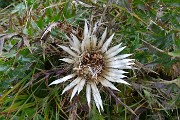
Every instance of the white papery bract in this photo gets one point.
(94, 62)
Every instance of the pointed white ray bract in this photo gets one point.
(102, 38)
(72, 84)
(86, 31)
(81, 85)
(116, 71)
(107, 43)
(76, 50)
(115, 80)
(74, 91)
(106, 83)
(68, 60)
(68, 50)
(123, 66)
(96, 95)
(88, 94)
(70, 41)
(95, 28)
(63, 79)
(76, 41)
(93, 41)
(87, 44)
(119, 57)
(120, 62)
(120, 65)
(113, 49)
(115, 75)
(96, 102)
(115, 52)
(85, 41)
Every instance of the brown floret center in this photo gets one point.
(91, 65)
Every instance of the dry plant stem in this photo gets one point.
(151, 47)
(54, 5)
(103, 14)
(73, 113)
(46, 74)
(148, 45)
(118, 100)
(129, 12)
(142, 66)
(175, 81)
(48, 29)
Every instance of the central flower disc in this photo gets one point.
(91, 65)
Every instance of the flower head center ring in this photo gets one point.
(91, 65)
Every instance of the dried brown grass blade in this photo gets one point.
(118, 100)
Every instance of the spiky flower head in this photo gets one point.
(93, 63)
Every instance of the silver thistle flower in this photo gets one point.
(94, 63)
